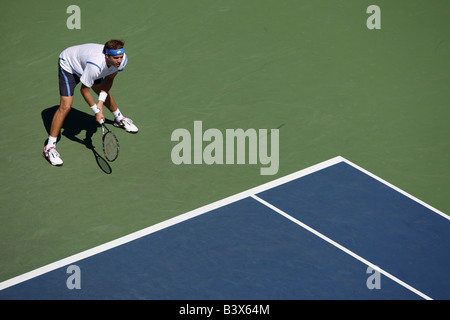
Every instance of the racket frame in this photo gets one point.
(105, 131)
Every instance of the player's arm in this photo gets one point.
(102, 95)
(97, 108)
(107, 83)
(92, 72)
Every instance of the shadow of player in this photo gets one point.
(76, 122)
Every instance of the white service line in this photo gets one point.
(337, 245)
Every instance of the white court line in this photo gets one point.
(165, 224)
(337, 245)
(189, 215)
(426, 205)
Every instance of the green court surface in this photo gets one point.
(313, 69)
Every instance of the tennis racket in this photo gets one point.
(110, 143)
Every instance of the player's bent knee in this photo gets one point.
(65, 105)
(65, 108)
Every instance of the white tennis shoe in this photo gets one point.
(52, 156)
(127, 124)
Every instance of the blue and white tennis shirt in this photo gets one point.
(87, 61)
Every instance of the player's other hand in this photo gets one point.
(99, 117)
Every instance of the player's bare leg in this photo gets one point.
(60, 115)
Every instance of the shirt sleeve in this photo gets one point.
(124, 63)
(90, 74)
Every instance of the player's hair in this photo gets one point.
(114, 44)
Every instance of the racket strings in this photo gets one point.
(110, 146)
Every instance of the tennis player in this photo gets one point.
(95, 66)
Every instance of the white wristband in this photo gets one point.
(95, 109)
(102, 96)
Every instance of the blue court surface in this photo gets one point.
(331, 231)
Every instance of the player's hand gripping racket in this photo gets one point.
(110, 143)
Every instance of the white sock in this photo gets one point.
(51, 142)
(118, 115)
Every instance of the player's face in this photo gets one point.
(114, 60)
